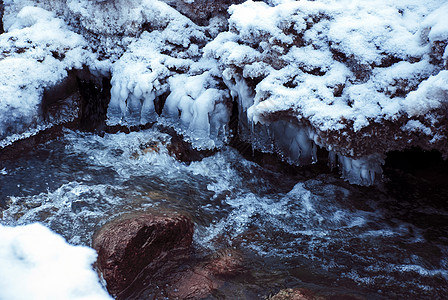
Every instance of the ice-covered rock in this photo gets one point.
(163, 73)
(140, 75)
(200, 108)
(33, 59)
(36, 263)
(348, 76)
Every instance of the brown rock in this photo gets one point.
(149, 147)
(183, 150)
(144, 242)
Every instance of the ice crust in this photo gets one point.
(304, 74)
(36, 263)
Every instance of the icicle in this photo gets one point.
(361, 171)
(332, 157)
(133, 110)
(117, 103)
(148, 112)
(314, 153)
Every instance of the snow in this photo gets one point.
(438, 24)
(141, 73)
(430, 95)
(166, 61)
(36, 263)
(360, 31)
(416, 126)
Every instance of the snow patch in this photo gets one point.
(438, 24)
(431, 94)
(36, 263)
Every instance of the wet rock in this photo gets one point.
(25, 146)
(201, 11)
(183, 150)
(149, 147)
(61, 102)
(95, 96)
(193, 284)
(78, 101)
(137, 243)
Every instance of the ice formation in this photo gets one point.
(36, 263)
(356, 78)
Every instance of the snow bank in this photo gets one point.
(36, 263)
(328, 61)
(437, 24)
(144, 44)
(430, 94)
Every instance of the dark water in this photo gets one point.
(313, 231)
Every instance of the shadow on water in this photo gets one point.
(418, 182)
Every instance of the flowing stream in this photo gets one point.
(295, 230)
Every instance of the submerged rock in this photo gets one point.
(306, 294)
(144, 242)
(225, 263)
(193, 284)
(200, 281)
(296, 294)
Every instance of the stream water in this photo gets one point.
(295, 230)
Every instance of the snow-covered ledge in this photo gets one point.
(357, 79)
